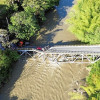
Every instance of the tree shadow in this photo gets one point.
(59, 43)
(14, 98)
(8, 87)
(52, 25)
(47, 39)
(3, 13)
(54, 16)
(52, 20)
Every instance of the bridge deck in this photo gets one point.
(75, 49)
(68, 54)
(67, 49)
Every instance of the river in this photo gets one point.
(54, 30)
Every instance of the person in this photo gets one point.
(21, 43)
(1, 47)
(13, 46)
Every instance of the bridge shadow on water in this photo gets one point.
(76, 42)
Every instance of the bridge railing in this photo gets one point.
(28, 49)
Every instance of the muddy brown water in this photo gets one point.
(34, 79)
(55, 31)
(38, 80)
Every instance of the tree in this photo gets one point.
(84, 20)
(8, 5)
(23, 25)
(4, 38)
(93, 80)
(10, 2)
(38, 7)
(7, 57)
(6, 9)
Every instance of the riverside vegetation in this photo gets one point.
(84, 22)
(7, 57)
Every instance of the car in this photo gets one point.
(39, 48)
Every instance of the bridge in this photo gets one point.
(66, 54)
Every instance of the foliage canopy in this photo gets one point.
(6, 59)
(38, 7)
(93, 80)
(85, 21)
(24, 25)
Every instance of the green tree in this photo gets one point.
(23, 25)
(93, 81)
(7, 7)
(9, 2)
(38, 7)
(93, 85)
(84, 20)
(7, 57)
(3, 10)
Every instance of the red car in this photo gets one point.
(39, 48)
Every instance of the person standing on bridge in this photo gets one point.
(21, 43)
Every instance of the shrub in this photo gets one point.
(7, 57)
